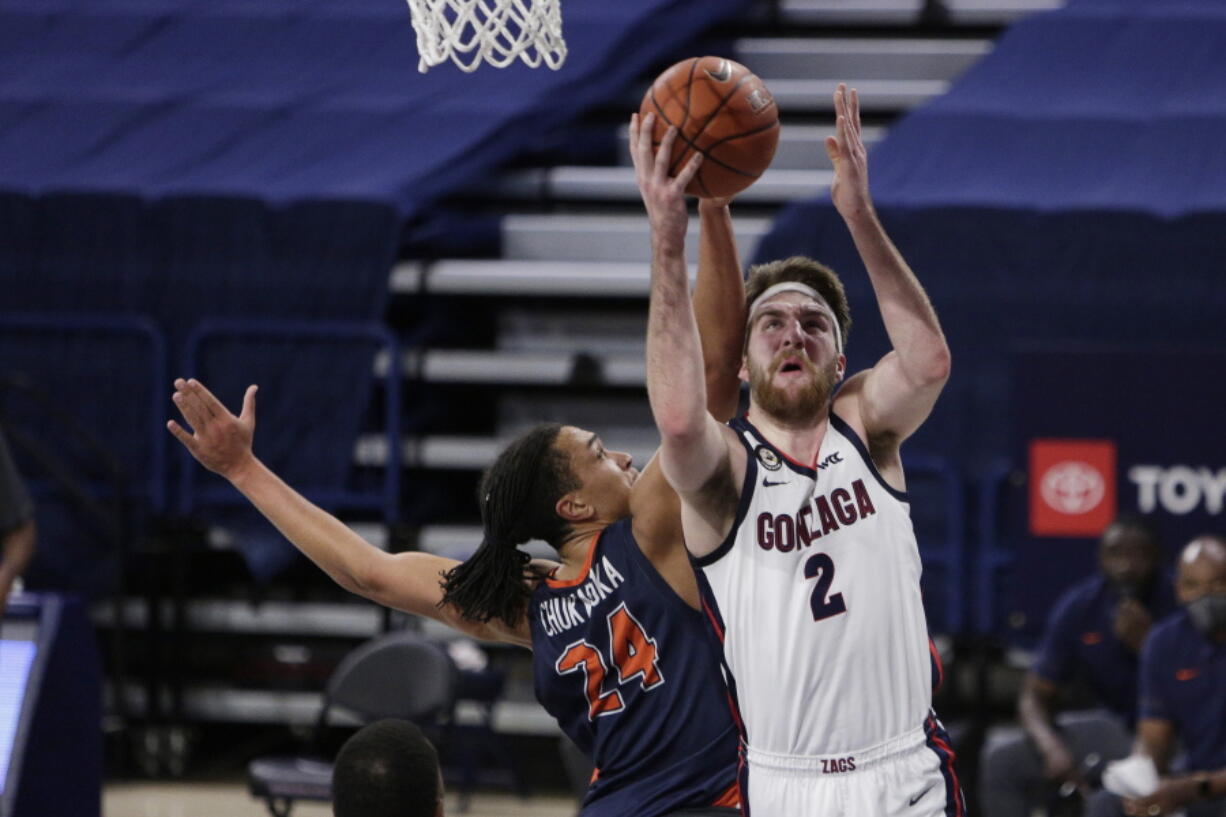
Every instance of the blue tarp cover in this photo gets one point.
(287, 101)
(1071, 186)
(185, 159)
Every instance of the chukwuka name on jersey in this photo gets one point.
(557, 615)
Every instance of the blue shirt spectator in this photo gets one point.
(1094, 634)
(1183, 694)
(1183, 680)
(1080, 641)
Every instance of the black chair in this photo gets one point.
(396, 675)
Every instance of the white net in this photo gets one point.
(469, 32)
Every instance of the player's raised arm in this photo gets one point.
(719, 307)
(222, 443)
(897, 394)
(693, 450)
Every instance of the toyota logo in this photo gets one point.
(1073, 487)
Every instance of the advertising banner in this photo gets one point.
(1103, 431)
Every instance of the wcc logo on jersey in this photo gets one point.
(1072, 487)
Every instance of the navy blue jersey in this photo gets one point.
(1183, 680)
(627, 669)
(1080, 642)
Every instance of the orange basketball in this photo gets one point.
(722, 111)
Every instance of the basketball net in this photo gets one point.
(469, 32)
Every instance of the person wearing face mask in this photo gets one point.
(1093, 635)
(1183, 694)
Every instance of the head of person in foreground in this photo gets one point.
(387, 769)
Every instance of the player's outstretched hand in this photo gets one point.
(220, 441)
(663, 195)
(847, 153)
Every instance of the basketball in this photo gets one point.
(721, 110)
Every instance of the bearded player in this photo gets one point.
(798, 515)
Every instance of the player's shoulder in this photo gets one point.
(740, 437)
(848, 418)
(617, 533)
(624, 545)
(655, 512)
(846, 402)
(739, 432)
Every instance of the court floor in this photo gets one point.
(161, 799)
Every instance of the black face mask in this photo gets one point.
(1208, 614)
(1135, 589)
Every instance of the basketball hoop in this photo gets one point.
(469, 32)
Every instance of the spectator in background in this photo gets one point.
(387, 769)
(16, 523)
(1183, 694)
(1094, 634)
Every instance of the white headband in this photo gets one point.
(804, 289)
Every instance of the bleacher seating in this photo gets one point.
(81, 397)
(284, 102)
(228, 354)
(258, 160)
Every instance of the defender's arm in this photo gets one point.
(407, 581)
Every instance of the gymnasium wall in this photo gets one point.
(165, 162)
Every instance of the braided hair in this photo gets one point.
(518, 496)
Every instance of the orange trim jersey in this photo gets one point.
(631, 674)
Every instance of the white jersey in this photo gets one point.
(817, 593)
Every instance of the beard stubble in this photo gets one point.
(788, 408)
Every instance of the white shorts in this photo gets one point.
(909, 776)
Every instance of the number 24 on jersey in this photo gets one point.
(633, 655)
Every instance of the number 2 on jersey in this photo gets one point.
(821, 567)
(633, 655)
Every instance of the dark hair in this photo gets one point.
(518, 496)
(386, 769)
(762, 277)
